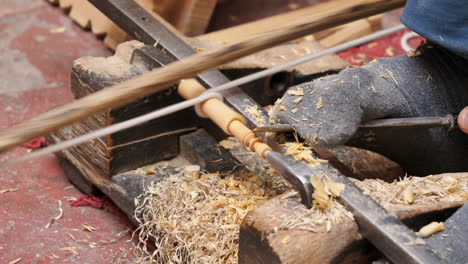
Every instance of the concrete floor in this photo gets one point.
(38, 44)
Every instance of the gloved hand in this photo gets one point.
(433, 82)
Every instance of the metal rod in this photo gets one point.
(447, 121)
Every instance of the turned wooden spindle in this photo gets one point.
(231, 122)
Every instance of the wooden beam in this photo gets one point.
(326, 16)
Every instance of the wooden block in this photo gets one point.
(264, 240)
(133, 147)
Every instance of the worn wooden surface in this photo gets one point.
(130, 148)
(327, 15)
(262, 240)
(275, 56)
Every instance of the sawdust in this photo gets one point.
(195, 218)
(255, 113)
(298, 92)
(314, 219)
(325, 209)
(425, 190)
(274, 108)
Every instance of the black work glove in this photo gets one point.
(432, 82)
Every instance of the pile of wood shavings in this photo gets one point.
(417, 190)
(254, 111)
(313, 219)
(325, 209)
(195, 218)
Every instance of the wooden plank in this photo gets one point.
(326, 16)
(256, 28)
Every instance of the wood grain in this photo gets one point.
(326, 16)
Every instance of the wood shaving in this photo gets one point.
(100, 242)
(319, 103)
(297, 100)
(300, 151)
(408, 196)
(413, 53)
(390, 51)
(416, 242)
(426, 190)
(15, 261)
(314, 219)
(294, 110)
(298, 91)
(372, 45)
(60, 215)
(57, 30)
(229, 144)
(88, 228)
(430, 229)
(255, 112)
(192, 168)
(275, 107)
(9, 190)
(71, 249)
(196, 219)
(70, 198)
(325, 190)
